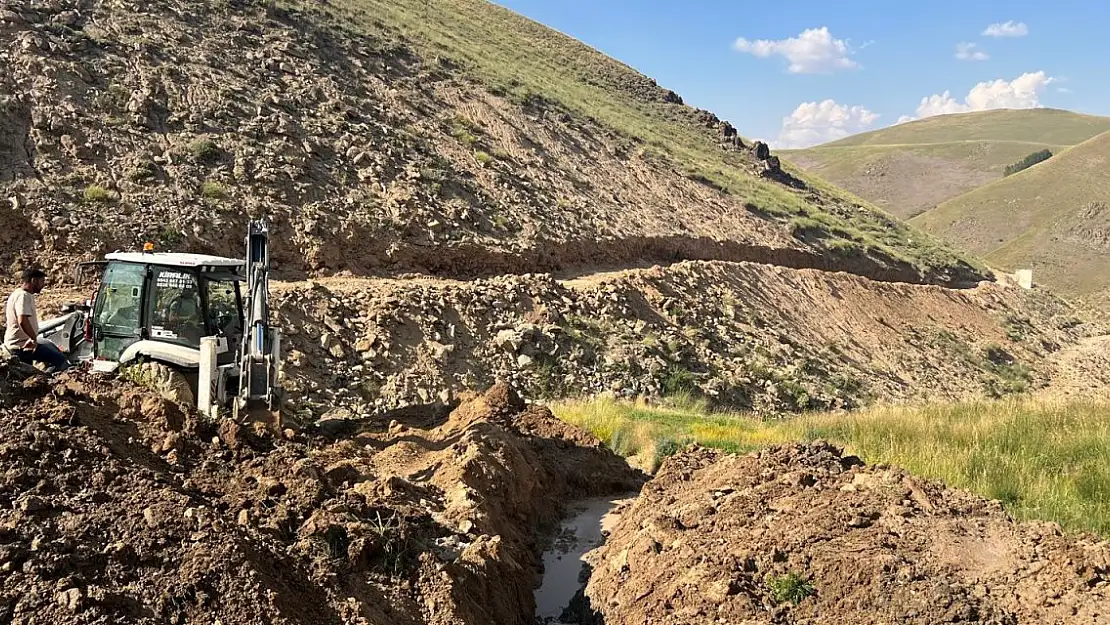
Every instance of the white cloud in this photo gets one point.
(1063, 90)
(815, 51)
(818, 122)
(969, 52)
(904, 118)
(1006, 29)
(1022, 92)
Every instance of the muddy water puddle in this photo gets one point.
(579, 533)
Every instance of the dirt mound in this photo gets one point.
(118, 507)
(720, 538)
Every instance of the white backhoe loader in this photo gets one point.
(206, 317)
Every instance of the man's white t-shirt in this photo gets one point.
(19, 303)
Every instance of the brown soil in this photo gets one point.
(877, 544)
(116, 507)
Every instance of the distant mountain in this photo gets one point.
(910, 168)
(1053, 217)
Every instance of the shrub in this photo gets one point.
(1027, 162)
(790, 588)
(463, 130)
(213, 191)
(483, 158)
(143, 171)
(204, 150)
(97, 193)
(678, 382)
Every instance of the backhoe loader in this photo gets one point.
(204, 316)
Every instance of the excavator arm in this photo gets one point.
(260, 352)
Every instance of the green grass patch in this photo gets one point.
(790, 588)
(1041, 459)
(204, 151)
(213, 191)
(98, 194)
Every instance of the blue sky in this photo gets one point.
(798, 73)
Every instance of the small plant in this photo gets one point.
(791, 588)
(463, 130)
(213, 191)
(170, 236)
(393, 543)
(678, 382)
(138, 376)
(483, 158)
(204, 151)
(97, 193)
(142, 172)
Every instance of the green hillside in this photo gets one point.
(1041, 126)
(910, 168)
(1053, 217)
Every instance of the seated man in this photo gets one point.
(22, 330)
(184, 316)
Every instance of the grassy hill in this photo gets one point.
(1053, 217)
(912, 167)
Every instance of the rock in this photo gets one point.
(508, 340)
(71, 599)
(66, 18)
(170, 384)
(334, 347)
(440, 351)
(761, 150)
(151, 517)
(33, 504)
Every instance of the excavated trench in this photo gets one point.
(116, 506)
(559, 599)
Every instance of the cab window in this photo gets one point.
(175, 314)
(223, 306)
(119, 302)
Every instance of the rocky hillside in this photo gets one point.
(743, 335)
(478, 197)
(124, 121)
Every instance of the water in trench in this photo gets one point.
(580, 532)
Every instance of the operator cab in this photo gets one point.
(171, 299)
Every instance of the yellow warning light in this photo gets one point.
(148, 247)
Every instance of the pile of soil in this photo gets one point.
(118, 507)
(712, 534)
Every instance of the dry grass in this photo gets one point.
(911, 168)
(1042, 459)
